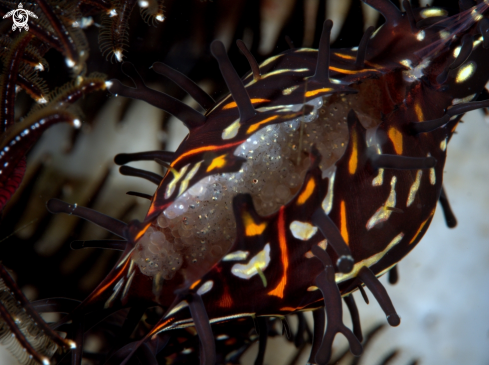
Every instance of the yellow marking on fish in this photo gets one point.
(414, 188)
(345, 56)
(353, 163)
(327, 203)
(383, 213)
(396, 138)
(368, 262)
(143, 231)
(306, 194)
(379, 179)
(251, 228)
(421, 227)
(177, 176)
(419, 112)
(343, 226)
(255, 126)
(233, 104)
(431, 12)
(465, 72)
(284, 257)
(351, 72)
(259, 261)
(217, 163)
(231, 131)
(194, 284)
(188, 177)
(278, 72)
(302, 230)
(318, 91)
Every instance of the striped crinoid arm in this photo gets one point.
(31, 56)
(152, 11)
(114, 35)
(59, 18)
(19, 137)
(24, 332)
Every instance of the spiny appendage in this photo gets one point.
(383, 161)
(24, 332)
(320, 83)
(233, 82)
(113, 225)
(450, 218)
(325, 281)
(186, 114)
(450, 115)
(391, 13)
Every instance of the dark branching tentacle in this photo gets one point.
(450, 218)
(123, 158)
(233, 82)
(255, 68)
(78, 336)
(140, 195)
(289, 41)
(130, 323)
(325, 281)
(55, 305)
(410, 15)
(262, 329)
(465, 4)
(190, 117)
(389, 357)
(286, 331)
(299, 339)
(332, 234)
(364, 294)
(464, 54)
(113, 225)
(385, 161)
(379, 292)
(324, 51)
(143, 174)
(320, 81)
(393, 275)
(483, 28)
(319, 317)
(199, 95)
(204, 330)
(362, 48)
(355, 316)
(431, 125)
(118, 245)
(389, 11)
